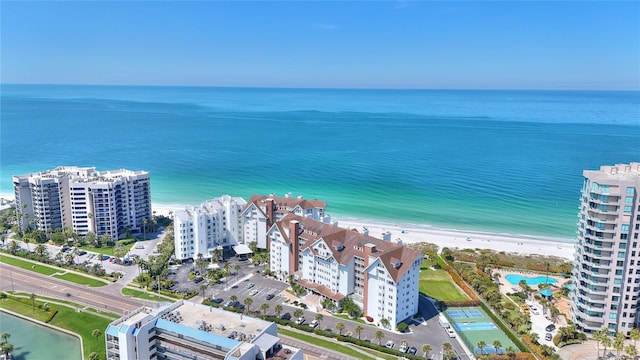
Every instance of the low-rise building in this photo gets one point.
(186, 330)
(380, 276)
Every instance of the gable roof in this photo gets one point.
(285, 204)
(345, 244)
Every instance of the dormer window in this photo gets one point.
(397, 264)
(339, 247)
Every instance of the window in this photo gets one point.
(627, 209)
(630, 190)
(628, 199)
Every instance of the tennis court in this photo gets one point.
(474, 325)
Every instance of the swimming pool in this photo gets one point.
(514, 279)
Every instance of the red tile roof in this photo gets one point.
(286, 203)
(321, 289)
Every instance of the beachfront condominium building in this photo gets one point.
(215, 224)
(112, 203)
(606, 276)
(263, 211)
(186, 330)
(380, 276)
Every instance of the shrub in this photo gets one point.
(402, 327)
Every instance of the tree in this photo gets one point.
(319, 318)
(69, 257)
(248, 302)
(511, 352)
(41, 251)
(264, 307)
(233, 297)
(447, 350)
(203, 287)
(96, 333)
(598, 336)
(13, 247)
(236, 268)
(635, 336)
(298, 313)
(631, 351)
(426, 348)
(339, 327)
(277, 309)
(534, 338)
(482, 345)
(358, 330)
(7, 348)
(33, 302)
(618, 343)
(497, 345)
(5, 337)
(94, 356)
(379, 335)
(384, 322)
(606, 342)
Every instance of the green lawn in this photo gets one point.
(37, 267)
(439, 285)
(328, 344)
(82, 280)
(81, 323)
(145, 295)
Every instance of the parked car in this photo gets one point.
(217, 300)
(286, 316)
(300, 320)
(253, 292)
(403, 348)
(314, 324)
(250, 285)
(198, 279)
(548, 336)
(270, 296)
(390, 344)
(105, 257)
(412, 350)
(550, 327)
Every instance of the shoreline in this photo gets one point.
(446, 237)
(443, 237)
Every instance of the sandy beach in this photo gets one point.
(442, 237)
(447, 237)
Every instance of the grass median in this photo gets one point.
(327, 344)
(145, 295)
(82, 280)
(28, 265)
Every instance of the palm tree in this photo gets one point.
(358, 330)
(319, 318)
(384, 322)
(7, 348)
(94, 356)
(635, 336)
(447, 349)
(41, 250)
(379, 335)
(481, 345)
(203, 287)
(264, 307)
(606, 342)
(339, 327)
(426, 348)
(534, 337)
(631, 351)
(598, 336)
(497, 345)
(236, 267)
(96, 333)
(618, 343)
(247, 302)
(233, 297)
(5, 336)
(33, 302)
(298, 313)
(404, 342)
(13, 246)
(277, 309)
(511, 352)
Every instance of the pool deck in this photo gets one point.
(506, 287)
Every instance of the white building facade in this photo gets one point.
(606, 276)
(215, 224)
(186, 330)
(263, 211)
(380, 276)
(112, 203)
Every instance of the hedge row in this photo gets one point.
(377, 347)
(504, 328)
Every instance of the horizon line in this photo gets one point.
(321, 88)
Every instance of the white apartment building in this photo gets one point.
(263, 211)
(381, 276)
(606, 275)
(186, 330)
(84, 199)
(215, 224)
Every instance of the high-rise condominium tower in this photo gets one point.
(606, 274)
(84, 200)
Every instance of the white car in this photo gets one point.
(314, 323)
(300, 320)
(390, 344)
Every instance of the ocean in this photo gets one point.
(503, 161)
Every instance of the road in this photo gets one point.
(107, 297)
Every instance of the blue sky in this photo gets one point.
(395, 44)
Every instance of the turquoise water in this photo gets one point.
(504, 161)
(35, 342)
(514, 279)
